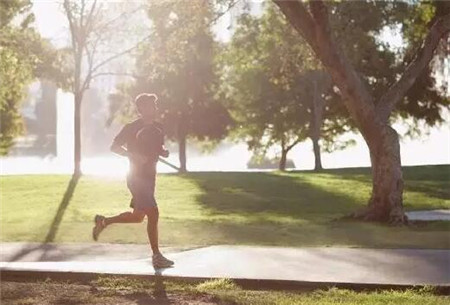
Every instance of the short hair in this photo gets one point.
(145, 98)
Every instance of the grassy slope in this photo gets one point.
(291, 209)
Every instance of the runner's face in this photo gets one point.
(148, 110)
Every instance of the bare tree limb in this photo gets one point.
(90, 17)
(115, 74)
(101, 27)
(115, 56)
(83, 4)
(75, 44)
(90, 59)
(289, 147)
(71, 23)
(219, 15)
(90, 53)
(397, 91)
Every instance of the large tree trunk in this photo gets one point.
(317, 157)
(78, 97)
(282, 164)
(182, 146)
(182, 152)
(386, 202)
(77, 135)
(317, 108)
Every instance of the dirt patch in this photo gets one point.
(45, 293)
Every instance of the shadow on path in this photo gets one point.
(159, 292)
(157, 297)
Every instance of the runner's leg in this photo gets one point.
(158, 260)
(101, 222)
(152, 228)
(126, 217)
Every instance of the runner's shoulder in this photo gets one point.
(134, 124)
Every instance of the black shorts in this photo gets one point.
(142, 189)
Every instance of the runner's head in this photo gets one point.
(146, 104)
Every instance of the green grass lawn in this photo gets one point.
(281, 209)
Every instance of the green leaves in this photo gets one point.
(24, 55)
(178, 64)
(263, 79)
(14, 75)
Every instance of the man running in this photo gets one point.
(142, 142)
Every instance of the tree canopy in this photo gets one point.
(24, 56)
(178, 64)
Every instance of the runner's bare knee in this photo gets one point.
(139, 216)
(152, 215)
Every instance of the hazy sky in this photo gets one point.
(431, 149)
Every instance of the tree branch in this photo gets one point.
(304, 22)
(71, 24)
(83, 4)
(111, 58)
(219, 15)
(75, 44)
(423, 56)
(319, 12)
(111, 21)
(90, 58)
(90, 17)
(316, 31)
(289, 147)
(104, 62)
(115, 74)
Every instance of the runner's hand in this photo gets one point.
(165, 153)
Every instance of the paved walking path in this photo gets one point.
(430, 215)
(316, 265)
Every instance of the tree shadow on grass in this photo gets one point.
(431, 180)
(270, 194)
(276, 209)
(54, 225)
(62, 209)
(438, 190)
(288, 210)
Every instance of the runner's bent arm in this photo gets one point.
(119, 149)
(118, 146)
(164, 152)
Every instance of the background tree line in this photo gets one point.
(266, 86)
(300, 70)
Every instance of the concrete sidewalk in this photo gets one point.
(310, 265)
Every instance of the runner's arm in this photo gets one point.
(164, 152)
(119, 149)
(122, 151)
(119, 142)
